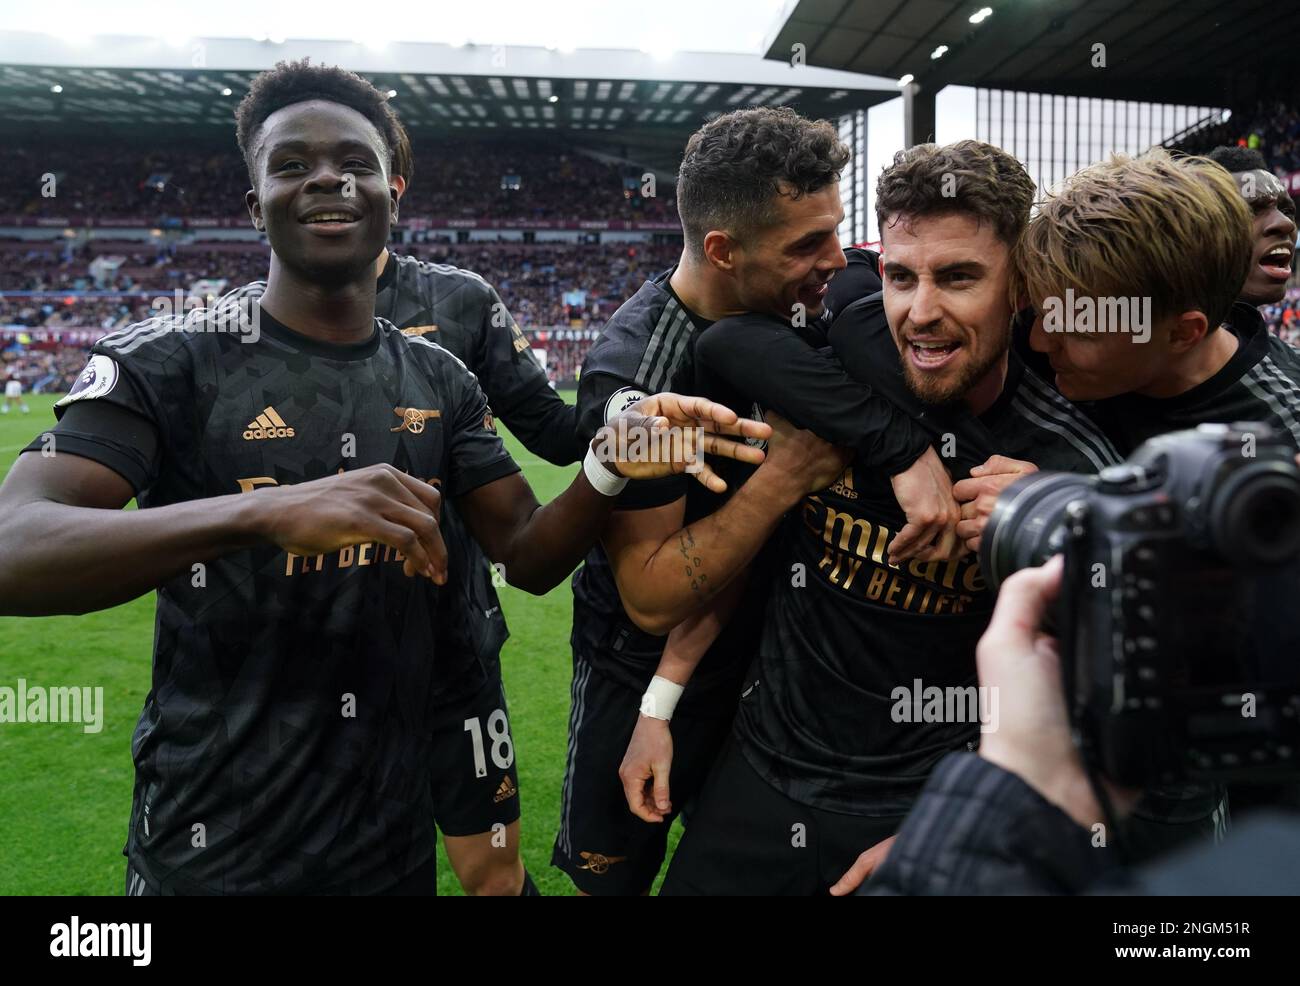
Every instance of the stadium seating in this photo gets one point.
(560, 293)
(1272, 128)
(120, 179)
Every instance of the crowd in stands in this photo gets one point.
(505, 180)
(124, 267)
(563, 357)
(50, 369)
(1272, 128)
(475, 184)
(1284, 317)
(560, 293)
(120, 178)
(552, 284)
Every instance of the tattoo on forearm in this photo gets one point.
(692, 561)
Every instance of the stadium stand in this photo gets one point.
(498, 181)
(1272, 128)
(560, 293)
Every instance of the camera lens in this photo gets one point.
(1254, 519)
(1027, 525)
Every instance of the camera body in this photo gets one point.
(1179, 641)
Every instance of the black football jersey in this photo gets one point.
(859, 278)
(1260, 382)
(647, 346)
(460, 311)
(838, 710)
(285, 743)
(654, 343)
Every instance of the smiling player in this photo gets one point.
(289, 523)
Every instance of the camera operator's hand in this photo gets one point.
(1032, 738)
(925, 492)
(978, 494)
(862, 868)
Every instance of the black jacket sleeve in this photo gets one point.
(858, 279)
(547, 425)
(766, 360)
(979, 829)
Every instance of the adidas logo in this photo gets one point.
(506, 790)
(844, 485)
(268, 424)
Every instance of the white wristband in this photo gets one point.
(661, 698)
(604, 481)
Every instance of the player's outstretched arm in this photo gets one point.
(666, 571)
(70, 548)
(660, 435)
(648, 761)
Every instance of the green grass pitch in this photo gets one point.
(66, 794)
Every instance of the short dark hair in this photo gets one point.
(300, 81)
(969, 176)
(403, 156)
(1237, 159)
(736, 164)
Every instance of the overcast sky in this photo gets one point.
(680, 25)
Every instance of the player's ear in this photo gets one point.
(396, 185)
(255, 210)
(1187, 329)
(718, 249)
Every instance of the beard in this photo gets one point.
(949, 388)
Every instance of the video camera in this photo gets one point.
(1179, 612)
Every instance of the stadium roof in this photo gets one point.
(628, 102)
(1177, 51)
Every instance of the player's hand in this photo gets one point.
(1032, 737)
(665, 434)
(978, 494)
(862, 868)
(645, 767)
(925, 492)
(808, 462)
(378, 503)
